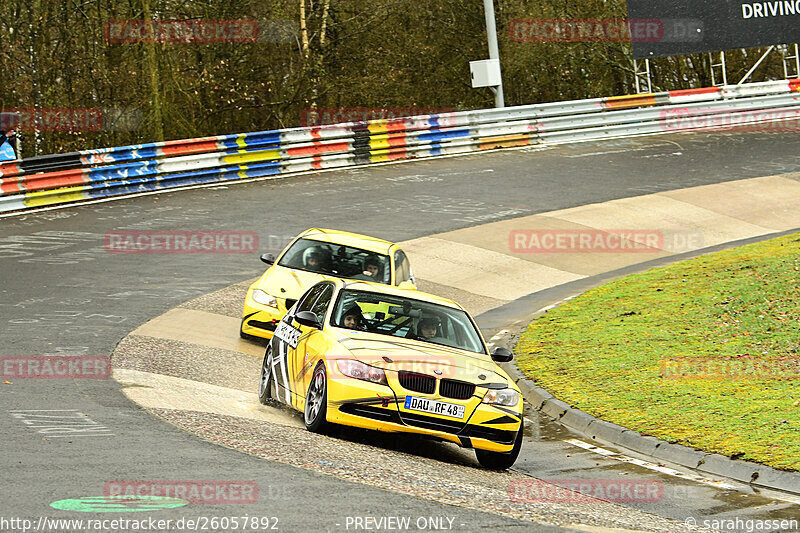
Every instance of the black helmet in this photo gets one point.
(353, 310)
(322, 254)
(428, 321)
(372, 260)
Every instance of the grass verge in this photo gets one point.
(702, 353)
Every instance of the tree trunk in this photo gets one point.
(303, 29)
(33, 47)
(151, 68)
(319, 59)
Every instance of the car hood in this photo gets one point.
(422, 357)
(287, 283)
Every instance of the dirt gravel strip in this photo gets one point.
(227, 301)
(224, 368)
(424, 477)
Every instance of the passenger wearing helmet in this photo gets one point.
(317, 259)
(371, 269)
(428, 327)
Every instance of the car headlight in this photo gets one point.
(507, 397)
(263, 298)
(359, 370)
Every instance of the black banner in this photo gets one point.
(692, 26)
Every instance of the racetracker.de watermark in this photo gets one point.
(55, 367)
(70, 119)
(200, 492)
(586, 490)
(605, 30)
(762, 120)
(180, 242)
(730, 368)
(553, 241)
(181, 31)
(339, 115)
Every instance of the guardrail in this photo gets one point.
(106, 172)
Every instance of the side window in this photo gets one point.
(310, 297)
(321, 305)
(402, 268)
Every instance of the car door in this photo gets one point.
(310, 345)
(286, 341)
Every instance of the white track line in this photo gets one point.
(650, 466)
(553, 306)
(696, 478)
(496, 337)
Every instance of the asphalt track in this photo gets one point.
(62, 293)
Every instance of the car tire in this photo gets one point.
(266, 383)
(498, 460)
(316, 410)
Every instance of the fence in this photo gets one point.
(107, 172)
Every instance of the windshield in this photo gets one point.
(397, 316)
(337, 260)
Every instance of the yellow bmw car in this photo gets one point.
(311, 256)
(378, 357)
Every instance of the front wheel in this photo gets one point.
(317, 401)
(266, 385)
(499, 460)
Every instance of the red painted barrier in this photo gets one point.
(183, 148)
(691, 92)
(319, 148)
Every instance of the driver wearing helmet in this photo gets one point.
(428, 327)
(317, 259)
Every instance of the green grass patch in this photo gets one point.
(605, 352)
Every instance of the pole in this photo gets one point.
(494, 50)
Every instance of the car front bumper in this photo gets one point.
(260, 320)
(368, 405)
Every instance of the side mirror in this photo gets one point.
(409, 285)
(502, 355)
(268, 259)
(308, 318)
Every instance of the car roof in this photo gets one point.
(345, 238)
(380, 288)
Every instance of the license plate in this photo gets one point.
(435, 406)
